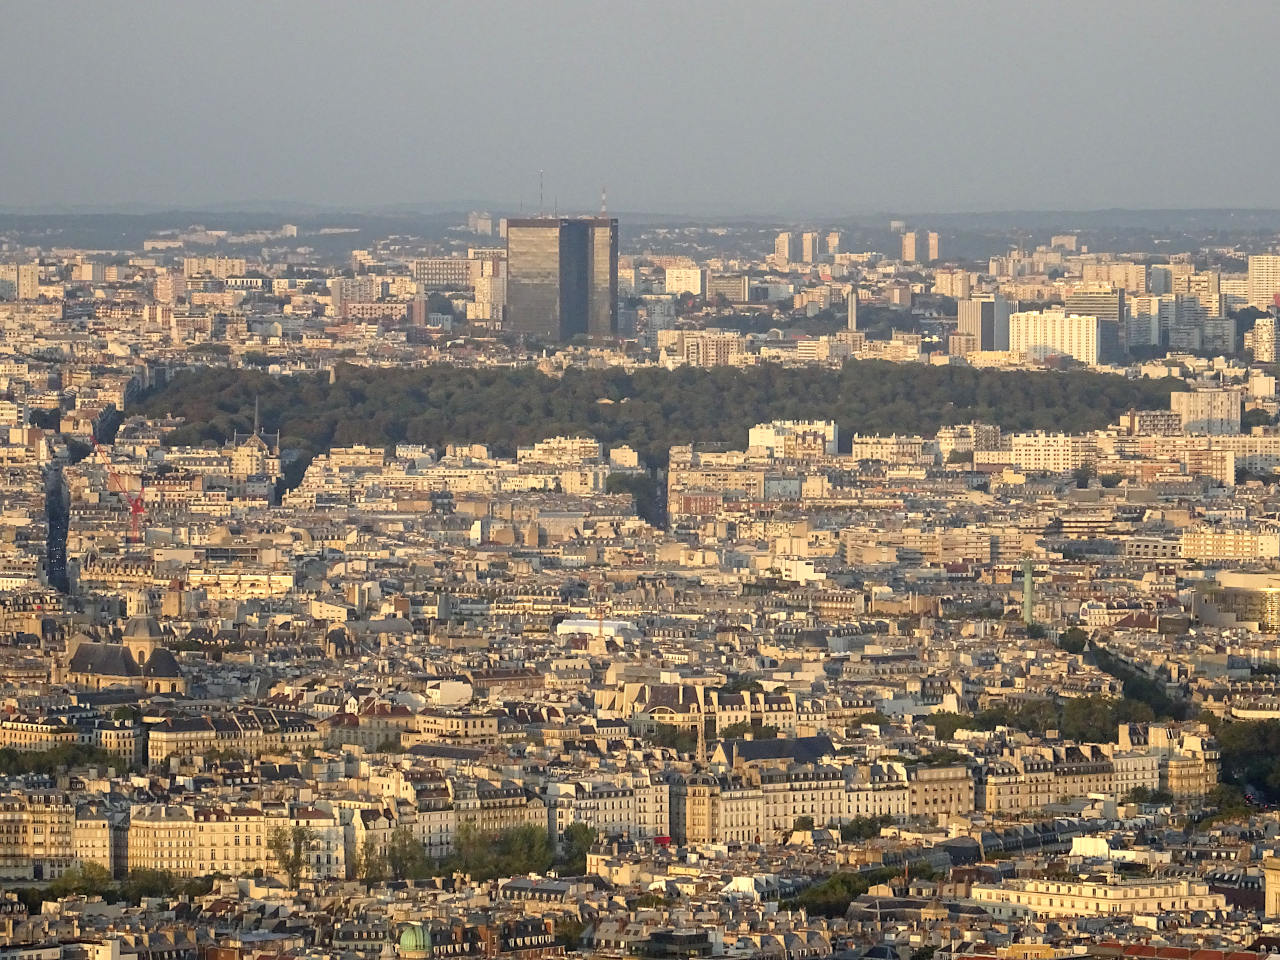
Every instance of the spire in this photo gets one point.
(255, 415)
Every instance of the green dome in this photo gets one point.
(416, 937)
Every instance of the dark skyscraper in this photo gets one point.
(562, 277)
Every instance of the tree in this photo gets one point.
(146, 883)
(863, 828)
(946, 723)
(832, 896)
(744, 727)
(77, 450)
(643, 491)
(525, 849)
(406, 856)
(1255, 418)
(875, 717)
(569, 932)
(371, 861)
(960, 456)
(289, 847)
(1147, 795)
(802, 824)
(575, 845)
(1073, 640)
(676, 738)
(88, 880)
(509, 407)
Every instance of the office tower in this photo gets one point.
(562, 277)
(809, 247)
(1108, 306)
(934, 257)
(910, 239)
(782, 245)
(1264, 281)
(1043, 333)
(833, 242)
(1208, 411)
(986, 319)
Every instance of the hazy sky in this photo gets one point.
(678, 107)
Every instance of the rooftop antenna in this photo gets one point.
(255, 415)
(604, 201)
(542, 209)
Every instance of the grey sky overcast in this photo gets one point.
(747, 107)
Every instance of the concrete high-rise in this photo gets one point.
(1044, 333)
(1264, 281)
(833, 242)
(1266, 340)
(809, 247)
(910, 247)
(933, 247)
(783, 244)
(562, 277)
(1208, 411)
(1109, 307)
(986, 319)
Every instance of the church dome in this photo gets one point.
(143, 628)
(415, 938)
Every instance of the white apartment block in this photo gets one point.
(1264, 280)
(1212, 543)
(1043, 333)
(1208, 411)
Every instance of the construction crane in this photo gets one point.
(136, 507)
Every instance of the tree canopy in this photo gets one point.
(649, 409)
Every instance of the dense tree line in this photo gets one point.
(483, 856)
(832, 896)
(55, 760)
(93, 880)
(1085, 719)
(649, 409)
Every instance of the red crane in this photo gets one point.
(136, 507)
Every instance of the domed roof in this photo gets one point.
(416, 937)
(162, 664)
(143, 628)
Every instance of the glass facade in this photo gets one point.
(562, 277)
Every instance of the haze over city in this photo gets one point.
(652, 481)
(741, 108)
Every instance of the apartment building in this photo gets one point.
(1020, 898)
